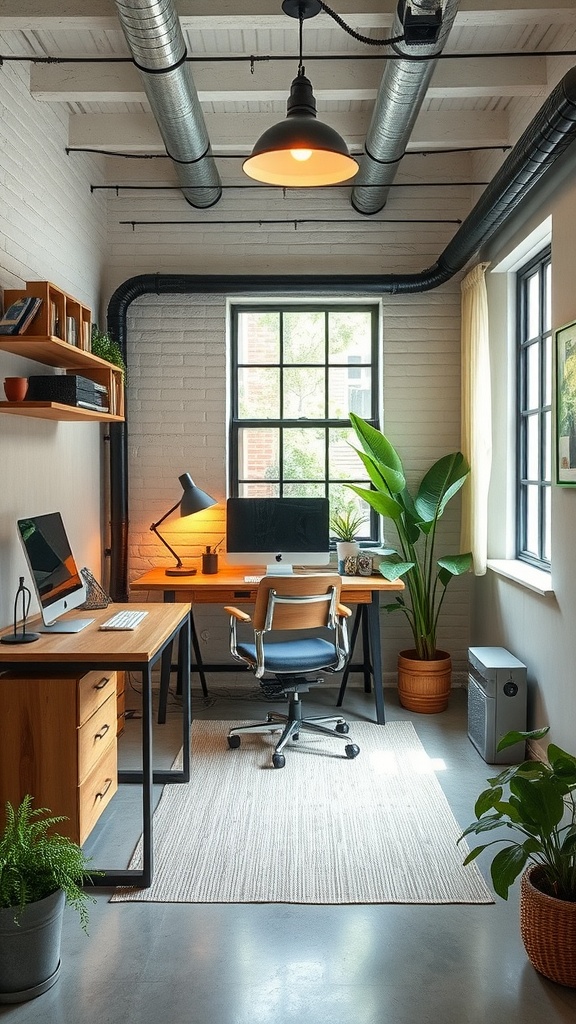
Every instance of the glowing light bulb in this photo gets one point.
(301, 154)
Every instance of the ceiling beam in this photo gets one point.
(121, 83)
(138, 133)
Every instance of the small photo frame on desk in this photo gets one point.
(565, 360)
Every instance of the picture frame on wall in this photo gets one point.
(565, 357)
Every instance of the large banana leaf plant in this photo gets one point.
(416, 520)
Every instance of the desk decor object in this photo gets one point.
(193, 500)
(21, 636)
(96, 596)
(15, 388)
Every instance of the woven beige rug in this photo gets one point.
(323, 829)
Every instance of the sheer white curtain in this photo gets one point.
(476, 416)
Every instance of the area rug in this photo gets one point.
(322, 830)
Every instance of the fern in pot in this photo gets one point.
(424, 671)
(40, 872)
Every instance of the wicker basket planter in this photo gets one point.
(424, 686)
(548, 929)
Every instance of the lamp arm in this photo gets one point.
(154, 529)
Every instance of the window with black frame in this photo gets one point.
(297, 373)
(534, 437)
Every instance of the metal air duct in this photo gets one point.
(400, 96)
(153, 33)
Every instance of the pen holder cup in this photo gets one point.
(209, 563)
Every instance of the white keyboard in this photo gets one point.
(253, 579)
(123, 620)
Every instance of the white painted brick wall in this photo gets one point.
(51, 228)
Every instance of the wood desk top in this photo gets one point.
(105, 647)
(229, 585)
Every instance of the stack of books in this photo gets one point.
(19, 315)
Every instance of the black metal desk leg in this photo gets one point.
(348, 669)
(147, 779)
(373, 613)
(184, 673)
(197, 655)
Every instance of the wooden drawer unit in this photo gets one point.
(58, 743)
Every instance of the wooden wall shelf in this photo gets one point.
(57, 411)
(53, 351)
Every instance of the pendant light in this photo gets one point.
(300, 151)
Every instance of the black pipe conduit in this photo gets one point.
(547, 136)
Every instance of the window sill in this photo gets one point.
(526, 575)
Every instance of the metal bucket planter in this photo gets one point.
(30, 948)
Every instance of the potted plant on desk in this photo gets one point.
(424, 671)
(345, 524)
(40, 872)
(532, 807)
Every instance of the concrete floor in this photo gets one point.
(258, 964)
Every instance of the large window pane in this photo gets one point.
(303, 454)
(304, 393)
(258, 453)
(304, 337)
(258, 393)
(259, 337)
(350, 337)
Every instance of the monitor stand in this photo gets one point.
(66, 626)
(280, 569)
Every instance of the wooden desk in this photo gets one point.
(228, 587)
(137, 650)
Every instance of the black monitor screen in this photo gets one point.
(50, 559)
(300, 525)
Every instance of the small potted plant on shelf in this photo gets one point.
(107, 348)
(424, 671)
(345, 524)
(40, 872)
(531, 811)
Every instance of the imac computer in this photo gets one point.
(277, 532)
(57, 582)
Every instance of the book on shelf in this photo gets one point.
(19, 315)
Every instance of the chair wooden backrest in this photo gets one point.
(297, 602)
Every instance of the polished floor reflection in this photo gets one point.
(281, 964)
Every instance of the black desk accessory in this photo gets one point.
(21, 637)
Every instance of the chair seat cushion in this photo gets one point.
(294, 656)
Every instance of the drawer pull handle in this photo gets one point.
(100, 796)
(103, 682)
(100, 735)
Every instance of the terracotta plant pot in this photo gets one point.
(548, 930)
(424, 686)
(15, 388)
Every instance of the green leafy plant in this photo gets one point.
(534, 802)
(107, 348)
(35, 862)
(416, 521)
(346, 522)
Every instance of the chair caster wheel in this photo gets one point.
(343, 728)
(233, 742)
(278, 760)
(351, 750)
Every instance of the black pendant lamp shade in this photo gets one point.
(300, 151)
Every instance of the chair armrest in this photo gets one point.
(344, 611)
(237, 613)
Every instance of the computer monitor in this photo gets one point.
(57, 582)
(277, 532)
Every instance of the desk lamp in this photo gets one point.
(193, 500)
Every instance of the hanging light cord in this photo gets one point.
(352, 32)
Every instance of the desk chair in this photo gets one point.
(299, 627)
